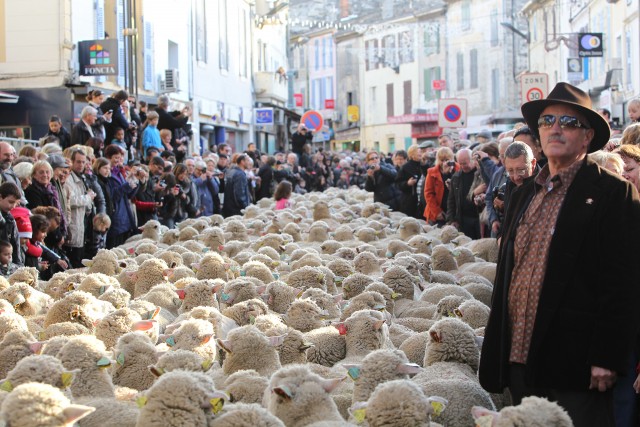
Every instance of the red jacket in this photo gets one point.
(433, 192)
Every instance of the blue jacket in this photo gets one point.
(122, 219)
(151, 138)
(208, 195)
(236, 192)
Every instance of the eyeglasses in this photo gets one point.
(518, 172)
(373, 158)
(566, 122)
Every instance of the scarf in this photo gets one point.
(54, 200)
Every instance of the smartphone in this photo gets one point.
(110, 111)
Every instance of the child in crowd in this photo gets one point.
(301, 187)
(101, 224)
(38, 255)
(343, 182)
(151, 134)
(54, 239)
(282, 195)
(119, 141)
(7, 268)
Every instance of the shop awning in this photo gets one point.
(8, 98)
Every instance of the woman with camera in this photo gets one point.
(436, 186)
(407, 182)
(381, 180)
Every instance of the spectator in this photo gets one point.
(519, 164)
(29, 151)
(610, 161)
(268, 181)
(525, 135)
(437, 185)
(207, 188)
(151, 135)
(42, 192)
(633, 108)
(445, 140)
(37, 254)
(190, 163)
(497, 187)
(631, 135)
(171, 121)
(168, 200)
(225, 149)
(236, 188)
(426, 162)
(80, 205)
(57, 130)
(253, 152)
(7, 267)
(96, 98)
(187, 193)
(147, 199)
(306, 160)
(9, 199)
(399, 159)
(100, 228)
(488, 158)
(102, 171)
(61, 172)
(118, 140)
(461, 210)
(143, 111)
(299, 138)
(86, 128)
(7, 156)
(282, 195)
(380, 181)
(23, 172)
(407, 181)
(54, 239)
(49, 149)
(122, 189)
(114, 104)
(97, 145)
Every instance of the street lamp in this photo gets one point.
(510, 26)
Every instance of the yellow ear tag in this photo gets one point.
(484, 421)
(42, 336)
(141, 401)
(66, 377)
(438, 407)
(359, 415)
(216, 404)
(6, 386)
(206, 365)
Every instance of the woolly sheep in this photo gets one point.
(248, 348)
(304, 315)
(414, 347)
(151, 230)
(26, 300)
(367, 263)
(473, 313)
(341, 267)
(443, 259)
(354, 284)
(270, 252)
(437, 276)
(187, 233)
(400, 281)
(306, 277)
(163, 295)
(68, 329)
(78, 307)
(533, 412)
(240, 414)
(170, 257)
(194, 335)
(451, 340)
(179, 359)
(279, 296)
(307, 260)
(118, 297)
(43, 369)
(435, 292)
(325, 301)
(484, 269)
(365, 331)
(134, 353)
(87, 354)
(28, 275)
(179, 398)
(369, 300)
(421, 244)
(152, 272)
(486, 249)
(170, 237)
(293, 348)
(299, 397)
(212, 266)
(35, 404)
(330, 247)
(246, 386)
(348, 254)
(408, 228)
(258, 270)
(240, 290)
(318, 233)
(243, 313)
(15, 346)
(198, 294)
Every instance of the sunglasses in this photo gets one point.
(548, 120)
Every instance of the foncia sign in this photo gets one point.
(98, 57)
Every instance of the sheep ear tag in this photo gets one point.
(103, 363)
(171, 341)
(120, 359)
(342, 328)
(131, 251)
(438, 405)
(394, 295)
(283, 391)
(217, 402)
(225, 297)
(252, 320)
(205, 250)
(354, 372)
(141, 401)
(206, 365)
(153, 314)
(181, 293)
(6, 386)
(484, 421)
(103, 289)
(66, 378)
(358, 412)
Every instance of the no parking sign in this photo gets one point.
(452, 113)
(312, 120)
(534, 86)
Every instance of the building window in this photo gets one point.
(201, 32)
(316, 50)
(348, 60)
(495, 88)
(223, 43)
(389, 48)
(473, 69)
(301, 57)
(460, 70)
(432, 39)
(629, 56)
(372, 59)
(430, 74)
(407, 97)
(330, 41)
(465, 12)
(494, 28)
(324, 53)
(242, 42)
(390, 112)
(405, 44)
(392, 145)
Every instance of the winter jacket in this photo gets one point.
(209, 202)
(434, 192)
(151, 138)
(63, 136)
(409, 199)
(189, 206)
(267, 182)
(122, 220)
(91, 181)
(171, 122)
(383, 186)
(118, 119)
(236, 192)
(79, 205)
(9, 233)
(39, 195)
(80, 133)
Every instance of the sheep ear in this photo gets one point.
(36, 347)
(457, 312)
(206, 339)
(87, 262)
(378, 324)
(408, 368)
(225, 345)
(156, 371)
(132, 275)
(479, 341)
(206, 364)
(338, 298)
(216, 401)
(330, 384)
(73, 413)
(484, 417)
(261, 289)
(283, 391)
(167, 272)
(276, 341)
(435, 337)
(306, 345)
(437, 404)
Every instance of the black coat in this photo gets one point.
(587, 313)
(166, 120)
(409, 199)
(80, 133)
(117, 119)
(383, 186)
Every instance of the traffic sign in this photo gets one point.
(452, 113)
(312, 120)
(534, 86)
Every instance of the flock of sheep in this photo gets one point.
(335, 312)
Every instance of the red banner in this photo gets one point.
(298, 99)
(329, 104)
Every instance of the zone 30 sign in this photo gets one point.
(534, 86)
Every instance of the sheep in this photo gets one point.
(401, 403)
(240, 414)
(243, 313)
(299, 397)
(246, 386)
(87, 354)
(401, 282)
(421, 244)
(443, 259)
(348, 254)
(187, 233)
(118, 297)
(194, 335)
(198, 294)
(452, 340)
(486, 248)
(480, 291)
(306, 277)
(151, 230)
(304, 315)
(15, 346)
(35, 404)
(114, 325)
(236, 230)
(435, 292)
(293, 348)
(43, 369)
(184, 360)
(240, 290)
(78, 307)
(248, 348)
(307, 260)
(134, 353)
(170, 257)
(355, 284)
(341, 267)
(533, 412)
(447, 305)
(26, 300)
(109, 413)
(437, 276)
(270, 252)
(367, 263)
(163, 295)
(97, 284)
(279, 296)
(325, 301)
(473, 313)
(212, 266)
(319, 232)
(28, 275)
(152, 272)
(179, 398)
(170, 237)
(484, 269)
(369, 300)
(330, 247)
(146, 248)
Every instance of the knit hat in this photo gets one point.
(23, 223)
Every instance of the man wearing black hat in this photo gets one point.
(564, 319)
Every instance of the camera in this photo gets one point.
(371, 167)
(451, 163)
(498, 192)
(163, 183)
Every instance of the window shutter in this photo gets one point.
(148, 56)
